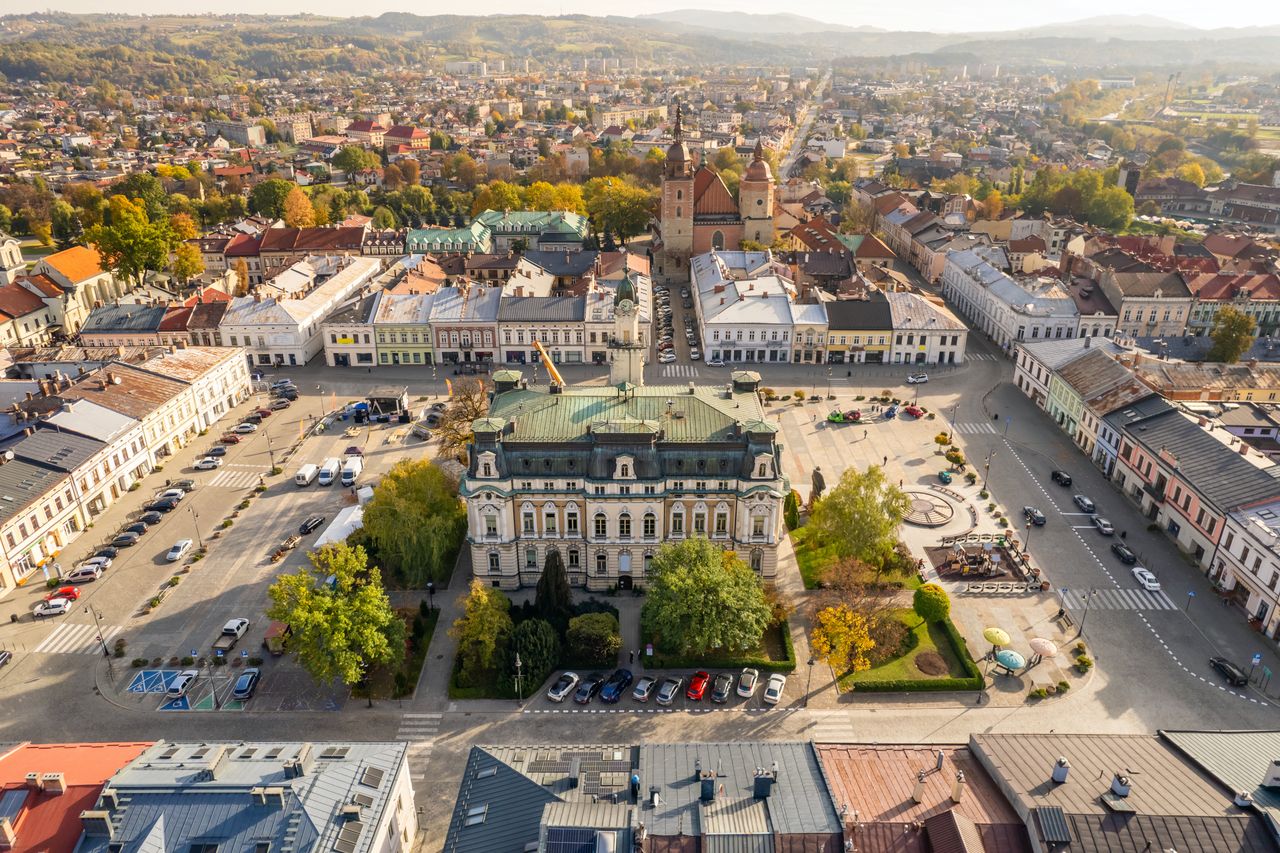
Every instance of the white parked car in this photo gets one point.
(53, 607)
(245, 428)
(715, 362)
(176, 494)
(564, 687)
(208, 463)
(103, 563)
(182, 682)
(1145, 579)
(773, 689)
(178, 551)
(917, 379)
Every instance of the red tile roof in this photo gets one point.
(17, 301)
(711, 196)
(405, 131)
(174, 320)
(311, 239)
(243, 246)
(1223, 286)
(77, 263)
(366, 126)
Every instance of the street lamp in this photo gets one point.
(828, 381)
(951, 432)
(1088, 597)
(88, 608)
(519, 664)
(320, 400)
(195, 522)
(431, 595)
(270, 453)
(1026, 543)
(809, 683)
(987, 469)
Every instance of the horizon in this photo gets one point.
(1002, 16)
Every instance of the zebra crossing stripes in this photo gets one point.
(979, 356)
(74, 638)
(687, 371)
(1119, 599)
(420, 731)
(832, 727)
(228, 479)
(974, 429)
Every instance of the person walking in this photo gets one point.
(632, 654)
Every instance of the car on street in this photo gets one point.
(698, 685)
(1145, 579)
(181, 683)
(666, 358)
(216, 450)
(102, 561)
(669, 690)
(244, 428)
(722, 687)
(56, 607)
(126, 540)
(1125, 553)
(106, 552)
(277, 405)
(175, 493)
(5, 656)
(246, 684)
(588, 688)
(715, 362)
(179, 550)
(773, 689)
(1033, 515)
(644, 688)
(1083, 502)
(353, 451)
(748, 681)
(1104, 526)
(230, 438)
(138, 527)
(280, 383)
(208, 463)
(695, 354)
(289, 394)
(564, 685)
(616, 686)
(914, 411)
(163, 505)
(150, 518)
(917, 379)
(70, 593)
(1062, 478)
(1233, 674)
(84, 574)
(266, 413)
(310, 524)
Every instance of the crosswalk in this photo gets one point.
(979, 356)
(1118, 599)
(832, 727)
(975, 429)
(228, 478)
(687, 371)
(420, 731)
(74, 638)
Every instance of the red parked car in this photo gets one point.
(698, 685)
(230, 438)
(266, 413)
(71, 593)
(914, 411)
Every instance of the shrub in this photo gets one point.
(51, 583)
(226, 522)
(259, 489)
(1063, 686)
(798, 394)
(791, 510)
(188, 660)
(860, 397)
(971, 478)
(138, 663)
(277, 470)
(593, 639)
(931, 603)
(154, 602)
(1038, 693)
(1081, 648)
(1084, 663)
(244, 504)
(984, 494)
(173, 581)
(1004, 522)
(255, 661)
(135, 486)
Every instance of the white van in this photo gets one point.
(306, 474)
(351, 470)
(329, 471)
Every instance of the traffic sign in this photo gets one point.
(244, 653)
(1257, 659)
(220, 653)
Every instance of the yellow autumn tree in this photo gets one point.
(842, 638)
(298, 212)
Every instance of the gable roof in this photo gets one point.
(76, 264)
(512, 806)
(125, 318)
(16, 301)
(710, 196)
(872, 313)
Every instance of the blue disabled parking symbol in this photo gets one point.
(179, 704)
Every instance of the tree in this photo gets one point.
(384, 219)
(416, 522)
(131, 244)
(298, 212)
(1110, 208)
(931, 604)
(353, 159)
(410, 171)
(339, 615)
(568, 197)
(538, 646)
(481, 632)
(994, 204)
(791, 510)
(497, 195)
(1232, 335)
(242, 277)
(553, 600)
(64, 225)
(593, 639)
(183, 227)
(146, 188)
(539, 195)
(860, 517)
(617, 206)
(842, 638)
(1191, 172)
(702, 598)
(187, 263)
(267, 198)
(467, 402)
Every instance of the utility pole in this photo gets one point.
(88, 608)
(518, 666)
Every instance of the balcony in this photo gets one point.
(1156, 494)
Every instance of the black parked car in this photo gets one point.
(1062, 478)
(311, 523)
(722, 687)
(588, 688)
(1033, 515)
(150, 518)
(1125, 554)
(163, 505)
(216, 450)
(108, 551)
(138, 527)
(1233, 674)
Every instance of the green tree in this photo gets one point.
(931, 604)
(538, 645)
(617, 206)
(552, 600)
(341, 619)
(791, 510)
(384, 219)
(481, 633)
(183, 227)
(1232, 335)
(147, 188)
(593, 639)
(131, 244)
(496, 195)
(64, 225)
(841, 636)
(353, 159)
(416, 522)
(267, 198)
(187, 263)
(860, 517)
(1110, 208)
(701, 598)
(6, 218)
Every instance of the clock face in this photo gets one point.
(759, 202)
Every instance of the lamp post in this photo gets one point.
(271, 454)
(88, 608)
(431, 595)
(809, 683)
(1191, 593)
(1026, 542)
(195, 522)
(828, 381)
(987, 469)
(952, 431)
(1088, 597)
(320, 400)
(519, 664)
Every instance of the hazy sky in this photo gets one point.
(935, 15)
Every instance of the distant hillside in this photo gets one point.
(760, 25)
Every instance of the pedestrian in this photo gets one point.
(865, 433)
(848, 373)
(899, 483)
(632, 654)
(886, 461)
(1124, 534)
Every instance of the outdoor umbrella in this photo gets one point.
(1044, 648)
(1009, 659)
(996, 636)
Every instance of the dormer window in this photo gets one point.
(624, 470)
(488, 470)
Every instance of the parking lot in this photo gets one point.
(628, 703)
(675, 326)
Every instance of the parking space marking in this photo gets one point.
(71, 638)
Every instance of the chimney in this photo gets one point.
(33, 781)
(707, 782)
(1272, 779)
(1120, 785)
(762, 784)
(1061, 768)
(917, 793)
(257, 296)
(957, 789)
(53, 783)
(97, 824)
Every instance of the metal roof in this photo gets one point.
(89, 419)
(498, 807)
(1237, 760)
(22, 483)
(62, 451)
(542, 309)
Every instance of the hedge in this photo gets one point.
(661, 661)
(973, 681)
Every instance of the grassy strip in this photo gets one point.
(776, 653)
(901, 675)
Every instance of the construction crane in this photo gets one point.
(556, 379)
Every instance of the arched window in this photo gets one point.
(650, 525)
(717, 240)
(679, 211)
(679, 197)
(624, 525)
(601, 525)
(602, 563)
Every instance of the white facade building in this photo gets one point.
(1007, 310)
(743, 302)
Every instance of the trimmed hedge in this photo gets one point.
(661, 661)
(973, 681)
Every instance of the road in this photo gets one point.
(807, 115)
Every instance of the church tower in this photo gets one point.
(676, 216)
(626, 347)
(755, 199)
(11, 263)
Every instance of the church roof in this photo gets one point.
(710, 196)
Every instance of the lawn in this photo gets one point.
(774, 652)
(814, 559)
(922, 639)
(387, 683)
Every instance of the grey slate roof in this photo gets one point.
(542, 309)
(61, 451)
(799, 802)
(1237, 760)
(513, 805)
(573, 264)
(852, 314)
(22, 483)
(124, 318)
